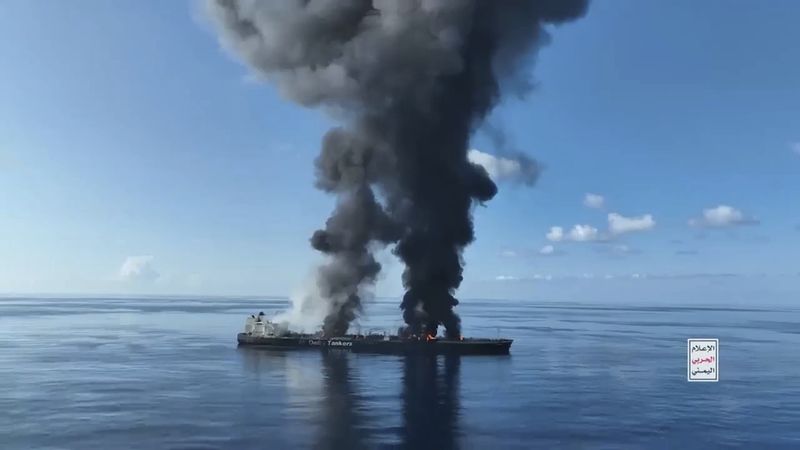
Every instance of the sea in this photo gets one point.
(166, 373)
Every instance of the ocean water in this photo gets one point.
(153, 373)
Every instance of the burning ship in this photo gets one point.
(409, 83)
(261, 333)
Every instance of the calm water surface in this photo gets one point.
(165, 373)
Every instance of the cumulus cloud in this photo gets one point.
(517, 168)
(547, 250)
(722, 216)
(619, 224)
(578, 233)
(594, 201)
(556, 234)
(583, 233)
(138, 269)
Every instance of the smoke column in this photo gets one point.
(410, 81)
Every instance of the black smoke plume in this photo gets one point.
(410, 81)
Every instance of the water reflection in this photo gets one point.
(326, 394)
(430, 402)
(260, 361)
(341, 421)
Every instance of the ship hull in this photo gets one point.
(392, 346)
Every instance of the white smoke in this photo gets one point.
(514, 168)
(307, 311)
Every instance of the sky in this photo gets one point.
(138, 157)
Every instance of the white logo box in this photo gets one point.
(703, 359)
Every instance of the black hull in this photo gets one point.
(392, 346)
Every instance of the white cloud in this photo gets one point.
(556, 234)
(138, 269)
(619, 224)
(594, 201)
(517, 168)
(534, 277)
(506, 278)
(722, 216)
(583, 233)
(547, 250)
(578, 233)
(589, 277)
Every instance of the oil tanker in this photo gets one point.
(261, 333)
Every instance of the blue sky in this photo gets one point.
(138, 157)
